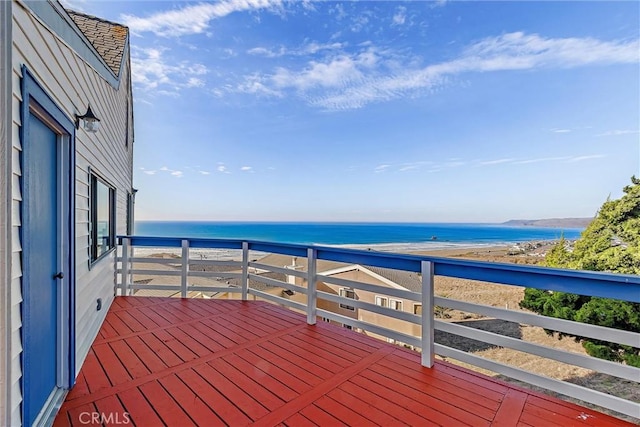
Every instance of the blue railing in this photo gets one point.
(623, 287)
(238, 274)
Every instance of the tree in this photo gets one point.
(610, 243)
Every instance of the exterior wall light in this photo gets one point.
(91, 122)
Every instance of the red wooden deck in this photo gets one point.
(182, 362)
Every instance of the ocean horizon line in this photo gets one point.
(426, 235)
(470, 223)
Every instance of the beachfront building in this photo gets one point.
(66, 136)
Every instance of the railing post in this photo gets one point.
(124, 284)
(185, 268)
(245, 270)
(428, 353)
(312, 296)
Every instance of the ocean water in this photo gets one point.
(378, 236)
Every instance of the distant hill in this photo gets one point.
(550, 222)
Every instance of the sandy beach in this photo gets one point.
(522, 253)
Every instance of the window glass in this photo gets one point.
(102, 218)
(395, 304)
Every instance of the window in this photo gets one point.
(102, 213)
(347, 293)
(395, 304)
(129, 214)
(347, 326)
(417, 309)
(382, 301)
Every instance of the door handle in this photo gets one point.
(59, 275)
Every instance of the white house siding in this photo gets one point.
(72, 83)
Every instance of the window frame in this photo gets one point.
(94, 178)
(130, 208)
(343, 293)
(396, 304)
(415, 308)
(383, 300)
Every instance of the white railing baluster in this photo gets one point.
(185, 268)
(428, 352)
(124, 284)
(312, 295)
(245, 270)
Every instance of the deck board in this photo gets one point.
(178, 362)
(223, 408)
(385, 405)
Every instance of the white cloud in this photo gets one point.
(306, 49)
(516, 51)
(567, 159)
(177, 174)
(255, 84)
(77, 5)
(336, 73)
(560, 130)
(164, 168)
(619, 132)
(313, 48)
(438, 3)
(496, 162)
(204, 172)
(381, 168)
(150, 172)
(582, 158)
(194, 82)
(246, 168)
(349, 81)
(359, 23)
(222, 169)
(339, 11)
(263, 51)
(192, 19)
(342, 70)
(540, 160)
(151, 71)
(400, 16)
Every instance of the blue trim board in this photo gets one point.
(607, 285)
(33, 93)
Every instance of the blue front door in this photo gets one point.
(40, 266)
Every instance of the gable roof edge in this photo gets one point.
(52, 15)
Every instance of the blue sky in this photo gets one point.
(381, 111)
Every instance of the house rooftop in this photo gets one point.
(406, 279)
(108, 38)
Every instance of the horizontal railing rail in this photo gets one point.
(300, 292)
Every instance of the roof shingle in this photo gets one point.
(108, 38)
